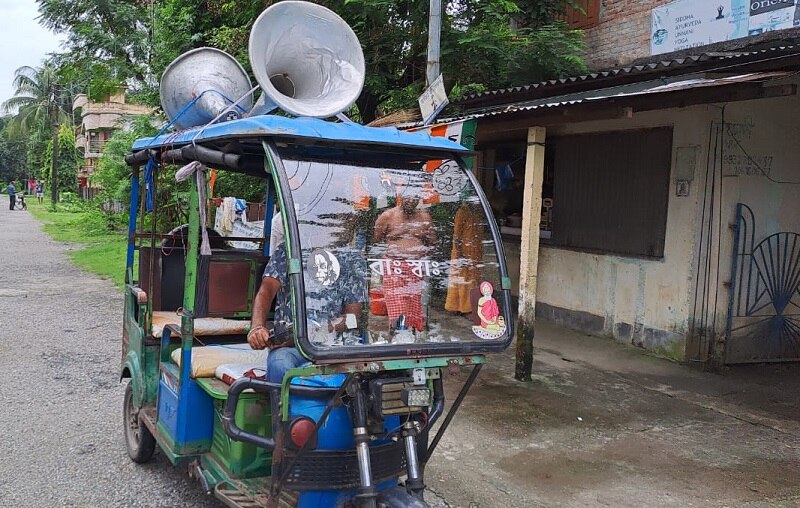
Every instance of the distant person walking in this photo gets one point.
(12, 195)
(40, 191)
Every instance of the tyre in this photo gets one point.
(140, 442)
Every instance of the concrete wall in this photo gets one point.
(622, 34)
(652, 302)
(643, 301)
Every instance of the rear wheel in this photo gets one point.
(140, 442)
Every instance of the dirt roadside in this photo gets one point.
(608, 425)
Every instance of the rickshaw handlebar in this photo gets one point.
(229, 412)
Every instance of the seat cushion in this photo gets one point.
(206, 359)
(202, 326)
(230, 372)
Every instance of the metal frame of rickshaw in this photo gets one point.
(192, 146)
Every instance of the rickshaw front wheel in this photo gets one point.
(140, 442)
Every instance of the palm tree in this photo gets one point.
(37, 104)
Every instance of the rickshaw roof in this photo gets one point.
(308, 128)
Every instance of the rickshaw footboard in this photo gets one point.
(234, 497)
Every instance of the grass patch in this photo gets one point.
(101, 251)
(672, 351)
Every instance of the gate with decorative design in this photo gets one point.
(764, 309)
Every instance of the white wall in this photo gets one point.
(651, 302)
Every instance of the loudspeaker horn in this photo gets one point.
(307, 60)
(212, 76)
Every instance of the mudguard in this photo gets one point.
(132, 369)
(399, 497)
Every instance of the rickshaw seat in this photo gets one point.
(206, 359)
(202, 326)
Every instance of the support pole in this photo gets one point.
(434, 36)
(529, 252)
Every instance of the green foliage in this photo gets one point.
(13, 164)
(109, 33)
(249, 188)
(67, 160)
(485, 44)
(37, 103)
(39, 107)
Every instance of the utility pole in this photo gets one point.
(434, 36)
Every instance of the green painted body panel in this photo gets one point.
(468, 130)
(254, 415)
(150, 376)
(190, 280)
(243, 460)
(133, 361)
(180, 455)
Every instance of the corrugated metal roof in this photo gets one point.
(628, 90)
(655, 66)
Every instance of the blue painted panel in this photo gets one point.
(310, 128)
(197, 411)
(335, 434)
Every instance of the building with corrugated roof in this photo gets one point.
(657, 202)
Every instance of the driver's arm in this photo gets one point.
(258, 338)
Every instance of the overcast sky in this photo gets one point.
(22, 41)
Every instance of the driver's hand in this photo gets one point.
(259, 338)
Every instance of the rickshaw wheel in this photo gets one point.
(140, 442)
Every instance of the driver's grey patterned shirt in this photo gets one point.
(322, 302)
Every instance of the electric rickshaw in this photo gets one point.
(394, 275)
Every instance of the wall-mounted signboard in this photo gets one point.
(687, 24)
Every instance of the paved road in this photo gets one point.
(61, 441)
(61, 438)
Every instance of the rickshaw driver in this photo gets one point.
(333, 304)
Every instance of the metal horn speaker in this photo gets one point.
(209, 75)
(307, 60)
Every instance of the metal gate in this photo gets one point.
(764, 308)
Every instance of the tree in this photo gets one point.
(13, 164)
(109, 33)
(37, 104)
(67, 161)
(485, 43)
